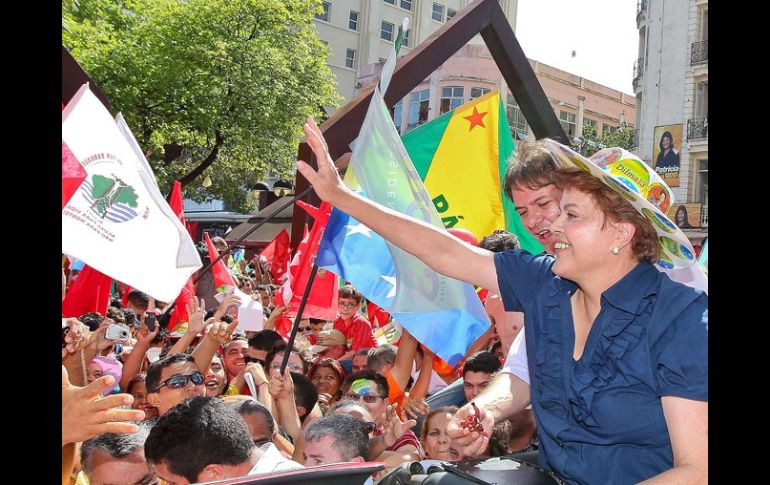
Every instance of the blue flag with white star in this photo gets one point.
(443, 313)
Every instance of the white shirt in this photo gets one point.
(516, 360)
(273, 461)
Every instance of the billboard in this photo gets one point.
(667, 144)
(685, 216)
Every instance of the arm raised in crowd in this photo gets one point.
(94, 344)
(282, 390)
(440, 250)
(133, 364)
(195, 324)
(217, 333)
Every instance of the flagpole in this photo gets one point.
(227, 251)
(295, 326)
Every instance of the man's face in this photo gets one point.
(256, 354)
(474, 383)
(234, 361)
(367, 392)
(166, 398)
(265, 296)
(359, 362)
(347, 307)
(131, 469)
(323, 451)
(258, 428)
(538, 209)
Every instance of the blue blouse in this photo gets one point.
(600, 418)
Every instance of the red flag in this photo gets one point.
(278, 253)
(179, 313)
(72, 174)
(377, 316)
(223, 280)
(322, 300)
(124, 301)
(90, 292)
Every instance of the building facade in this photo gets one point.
(671, 87)
(361, 32)
(472, 72)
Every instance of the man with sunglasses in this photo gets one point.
(173, 379)
(357, 329)
(371, 389)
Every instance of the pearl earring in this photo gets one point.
(615, 250)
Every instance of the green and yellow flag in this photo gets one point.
(462, 157)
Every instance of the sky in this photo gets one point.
(602, 33)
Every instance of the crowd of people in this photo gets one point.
(612, 366)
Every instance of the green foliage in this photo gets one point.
(589, 143)
(231, 81)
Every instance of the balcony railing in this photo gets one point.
(699, 52)
(704, 216)
(697, 128)
(641, 7)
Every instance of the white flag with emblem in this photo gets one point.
(118, 222)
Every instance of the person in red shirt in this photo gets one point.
(356, 328)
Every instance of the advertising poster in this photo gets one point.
(667, 141)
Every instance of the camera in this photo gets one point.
(117, 332)
(149, 320)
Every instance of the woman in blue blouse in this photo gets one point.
(617, 351)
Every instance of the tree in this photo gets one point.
(208, 86)
(588, 143)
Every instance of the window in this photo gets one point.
(392, 2)
(353, 20)
(406, 4)
(515, 117)
(325, 15)
(438, 12)
(478, 92)
(397, 113)
(406, 38)
(418, 108)
(350, 58)
(589, 122)
(450, 12)
(703, 182)
(607, 129)
(567, 121)
(451, 98)
(386, 32)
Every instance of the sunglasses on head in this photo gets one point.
(180, 381)
(368, 398)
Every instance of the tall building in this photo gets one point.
(472, 72)
(361, 32)
(671, 87)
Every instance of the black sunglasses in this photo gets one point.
(249, 358)
(180, 381)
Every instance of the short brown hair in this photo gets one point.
(644, 244)
(531, 166)
(347, 291)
